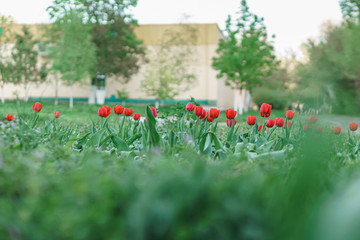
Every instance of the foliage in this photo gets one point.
(331, 76)
(73, 51)
(122, 94)
(278, 89)
(25, 60)
(350, 9)
(118, 51)
(171, 71)
(245, 55)
(97, 181)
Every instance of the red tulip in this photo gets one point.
(9, 117)
(128, 111)
(209, 118)
(270, 123)
(312, 119)
(198, 110)
(203, 114)
(230, 113)
(260, 127)
(37, 107)
(306, 127)
(214, 113)
(288, 123)
(353, 126)
(57, 114)
(251, 120)
(118, 109)
(265, 110)
(104, 111)
(190, 107)
(319, 129)
(337, 130)
(229, 122)
(136, 116)
(154, 111)
(279, 122)
(289, 114)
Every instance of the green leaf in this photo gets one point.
(154, 135)
(95, 139)
(119, 143)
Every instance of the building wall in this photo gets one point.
(207, 86)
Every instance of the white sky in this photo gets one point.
(292, 21)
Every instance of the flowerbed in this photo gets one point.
(190, 178)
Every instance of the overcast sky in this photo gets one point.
(292, 21)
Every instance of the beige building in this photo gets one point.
(207, 89)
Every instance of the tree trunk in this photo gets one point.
(71, 103)
(2, 95)
(247, 100)
(26, 97)
(235, 100)
(56, 90)
(241, 103)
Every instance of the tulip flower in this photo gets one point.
(279, 122)
(230, 113)
(306, 127)
(154, 111)
(270, 123)
(214, 113)
(203, 114)
(265, 110)
(260, 127)
(288, 123)
(337, 130)
(56, 114)
(251, 120)
(9, 117)
(37, 107)
(190, 107)
(104, 111)
(312, 119)
(128, 111)
(353, 126)
(229, 122)
(198, 110)
(319, 129)
(118, 109)
(289, 114)
(136, 116)
(209, 119)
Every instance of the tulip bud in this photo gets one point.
(37, 107)
(136, 116)
(265, 110)
(251, 120)
(9, 117)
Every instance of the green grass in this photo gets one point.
(69, 179)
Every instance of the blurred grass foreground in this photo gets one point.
(50, 192)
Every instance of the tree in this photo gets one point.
(6, 66)
(245, 56)
(170, 71)
(118, 51)
(25, 62)
(73, 51)
(331, 77)
(350, 9)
